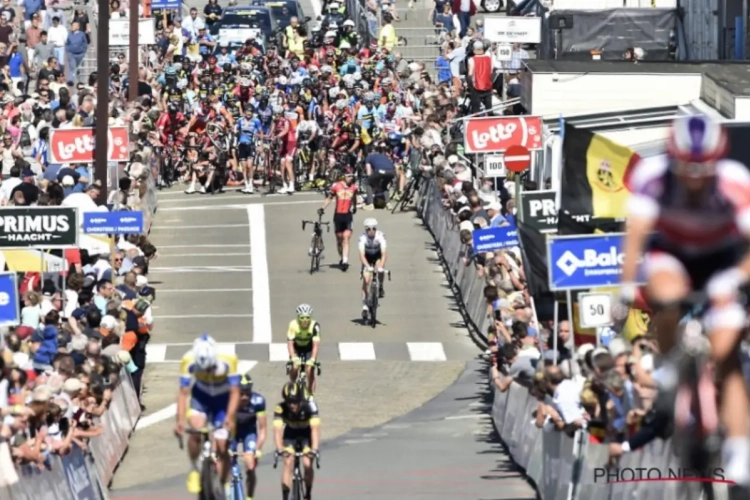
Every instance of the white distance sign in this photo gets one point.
(504, 52)
(595, 309)
(494, 166)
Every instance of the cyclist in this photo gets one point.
(214, 398)
(380, 172)
(251, 430)
(372, 255)
(303, 341)
(296, 424)
(248, 128)
(698, 204)
(345, 194)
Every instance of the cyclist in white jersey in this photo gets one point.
(308, 130)
(372, 255)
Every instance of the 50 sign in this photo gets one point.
(496, 134)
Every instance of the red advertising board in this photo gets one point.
(76, 145)
(497, 134)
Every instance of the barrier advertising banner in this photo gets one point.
(46, 227)
(9, 301)
(539, 211)
(584, 261)
(495, 238)
(498, 133)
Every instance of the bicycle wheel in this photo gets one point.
(373, 302)
(314, 258)
(298, 489)
(211, 488)
(238, 492)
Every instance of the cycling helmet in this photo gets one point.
(293, 392)
(182, 84)
(697, 139)
(326, 69)
(304, 310)
(245, 82)
(394, 137)
(371, 223)
(212, 60)
(246, 383)
(205, 352)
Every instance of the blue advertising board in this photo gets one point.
(166, 4)
(113, 222)
(587, 261)
(495, 238)
(79, 479)
(9, 300)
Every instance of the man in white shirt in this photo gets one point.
(193, 23)
(9, 184)
(57, 35)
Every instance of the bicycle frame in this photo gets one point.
(207, 464)
(298, 479)
(317, 241)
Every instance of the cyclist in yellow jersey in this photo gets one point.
(212, 382)
(303, 341)
(296, 425)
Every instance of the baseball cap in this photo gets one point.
(72, 385)
(41, 394)
(108, 322)
(68, 180)
(493, 205)
(452, 159)
(27, 172)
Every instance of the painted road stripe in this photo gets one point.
(199, 269)
(165, 255)
(212, 226)
(156, 353)
(235, 206)
(197, 316)
(261, 288)
(426, 351)
(356, 351)
(203, 290)
(278, 352)
(215, 245)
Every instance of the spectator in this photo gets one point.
(387, 36)
(213, 12)
(75, 50)
(58, 37)
(464, 9)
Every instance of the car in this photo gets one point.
(492, 6)
(284, 11)
(252, 18)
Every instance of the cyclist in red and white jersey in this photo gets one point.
(690, 212)
(284, 132)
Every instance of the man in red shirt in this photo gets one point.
(345, 194)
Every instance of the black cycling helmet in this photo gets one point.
(293, 392)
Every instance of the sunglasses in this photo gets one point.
(304, 318)
(370, 229)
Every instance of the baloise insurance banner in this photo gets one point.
(45, 227)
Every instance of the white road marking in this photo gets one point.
(426, 351)
(156, 353)
(466, 417)
(199, 269)
(215, 245)
(225, 348)
(214, 226)
(165, 255)
(203, 290)
(188, 316)
(237, 206)
(261, 305)
(278, 352)
(356, 351)
(156, 417)
(245, 197)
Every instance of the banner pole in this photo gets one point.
(555, 318)
(570, 317)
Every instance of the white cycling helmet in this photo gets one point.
(204, 352)
(371, 223)
(304, 310)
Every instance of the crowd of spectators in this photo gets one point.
(84, 328)
(607, 391)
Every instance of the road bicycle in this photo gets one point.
(316, 245)
(302, 373)
(298, 491)
(410, 192)
(236, 485)
(211, 487)
(373, 295)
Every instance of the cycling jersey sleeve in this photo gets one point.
(233, 375)
(291, 332)
(646, 186)
(259, 405)
(186, 376)
(278, 416)
(734, 184)
(380, 238)
(316, 332)
(362, 243)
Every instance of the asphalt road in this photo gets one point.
(446, 448)
(237, 267)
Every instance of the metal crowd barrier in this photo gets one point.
(561, 467)
(78, 475)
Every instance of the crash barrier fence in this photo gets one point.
(562, 467)
(366, 22)
(78, 475)
(422, 53)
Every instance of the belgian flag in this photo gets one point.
(594, 175)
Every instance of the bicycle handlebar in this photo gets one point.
(289, 366)
(278, 454)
